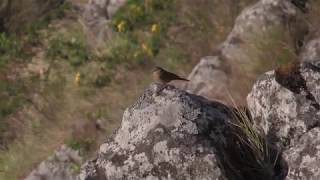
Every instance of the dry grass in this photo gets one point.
(250, 155)
(260, 53)
(49, 120)
(312, 19)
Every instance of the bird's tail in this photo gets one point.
(182, 79)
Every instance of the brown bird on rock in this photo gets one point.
(162, 76)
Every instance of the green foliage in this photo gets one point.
(11, 97)
(82, 145)
(74, 168)
(138, 13)
(141, 27)
(10, 48)
(72, 50)
(119, 51)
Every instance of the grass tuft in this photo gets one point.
(252, 155)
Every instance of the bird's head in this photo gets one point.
(156, 69)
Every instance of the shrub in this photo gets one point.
(10, 48)
(72, 50)
(82, 145)
(141, 27)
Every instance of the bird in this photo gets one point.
(163, 77)
(289, 76)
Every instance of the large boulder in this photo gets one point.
(282, 111)
(17, 14)
(304, 157)
(170, 134)
(285, 104)
(162, 137)
(244, 54)
(290, 114)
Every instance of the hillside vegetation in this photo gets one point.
(54, 87)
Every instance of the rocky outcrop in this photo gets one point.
(63, 165)
(291, 118)
(282, 112)
(95, 20)
(176, 135)
(16, 14)
(170, 134)
(238, 58)
(161, 137)
(303, 157)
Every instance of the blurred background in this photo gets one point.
(69, 68)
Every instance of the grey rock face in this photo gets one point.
(284, 113)
(311, 52)
(63, 165)
(162, 137)
(304, 157)
(95, 20)
(170, 134)
(209, 76)
(291, 120)
(234, 62)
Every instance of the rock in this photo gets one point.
(95, 21)
(282, 113)
(291, 118)
(173, 135)
(202, 85)
(311, 52)
(16, 14)
(301, 4)
(236, 60)
(304, 157)
(151, 142)
(63, 165)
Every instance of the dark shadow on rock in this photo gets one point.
(301, 4)
(239, 160)
(289, 76)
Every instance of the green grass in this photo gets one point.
(70, 49)
(82, 145)
(10, 48)
(12, 96)
(16, 49)
(141, 28)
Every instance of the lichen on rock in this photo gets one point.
(162, 137)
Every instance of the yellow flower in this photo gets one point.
(154, 28)
(136, 54)
(77, 78)
(146, 49)
(121, 26)
(144, 46)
